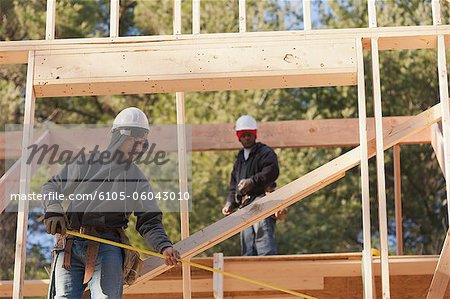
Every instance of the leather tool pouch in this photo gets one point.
(132, 263)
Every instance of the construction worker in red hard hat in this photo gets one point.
(254, 173)
(79, 263)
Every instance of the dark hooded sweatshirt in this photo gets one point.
(87, 177)
(261, 166)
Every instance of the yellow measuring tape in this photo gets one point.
(148, 252)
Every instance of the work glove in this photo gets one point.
(55, 220)
(245, 185)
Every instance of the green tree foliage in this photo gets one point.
(327, 221)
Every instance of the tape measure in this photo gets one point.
(148, 252)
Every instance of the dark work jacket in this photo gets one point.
(88, 178)
(261, 166)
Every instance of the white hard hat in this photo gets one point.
(246, 122)
(131, 117)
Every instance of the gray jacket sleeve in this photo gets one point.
(149, 223)
(64, 183)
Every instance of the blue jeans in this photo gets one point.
(106, 282)
(259, 239)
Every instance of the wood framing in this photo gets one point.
(289, 269)
(244, 65)
(285, 196)
(221, 137)
(436, 12)
(441, 275)
(182, 159)
(195, 16)
(217, 277)
(114, 18)
(307, 14)
(183, 183)
(398, 199)
(437, 141)
(381, 181)
(24, 187)
(389, 38)
(242, 16)
(444, 100)
(365, 195)
(50, 20)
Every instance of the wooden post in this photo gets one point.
(182, 159)
(382, 209)
(365, 194)
(381, 184)
(114, 18)
(441, 275)
(218, 278)
(50, 20)
(436, 10)
(242, 17)
(176, 17)
(307, 14)
(25, 177)
(195, 16)
(398, 200)
(372, 14)
(443, 94)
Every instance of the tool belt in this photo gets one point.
(132, 263)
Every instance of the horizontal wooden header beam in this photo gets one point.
(221, 137)
(239, 65)
(293, 272)
(389, 38)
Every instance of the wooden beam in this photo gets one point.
(365, 194)
(221, 137)
(176, 17)
(372, 12)
(25, 177)
(441, 275)
(437, 141)
(114, 18)
(196, 17)
(443, 95)
(381, 181)
(436, 11)
(218, 278)
(307, 14)
(286, 195)
(50, 20)
(183, 185)
(389, 38)
(182, 159)
(294, 272)
(242, 16)
(209, 68)
(398, 200)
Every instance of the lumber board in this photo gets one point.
(222, 137)
(153, 69)
(389, 38)
(441, 275)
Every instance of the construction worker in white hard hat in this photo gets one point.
(254, 173)
(79, 263)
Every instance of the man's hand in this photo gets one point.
(281, 214)
(172, 256)
(227, 209)
(245, 185)
(55, 223)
